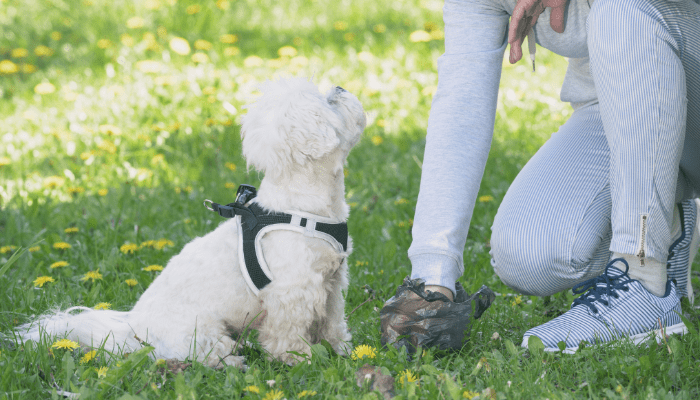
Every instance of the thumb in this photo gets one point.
(516, 52)
(556, 18)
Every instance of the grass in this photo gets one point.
(103, 150)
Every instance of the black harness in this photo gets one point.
(254, 219)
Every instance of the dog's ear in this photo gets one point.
(290, 124)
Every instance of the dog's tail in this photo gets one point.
(88, 327)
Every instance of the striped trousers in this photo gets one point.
(608, 180)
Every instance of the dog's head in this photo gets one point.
(292, 123)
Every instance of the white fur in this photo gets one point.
(300, 139)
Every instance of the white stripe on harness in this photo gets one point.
(294, 225)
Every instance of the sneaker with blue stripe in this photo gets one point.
(683, 250)
(613, 307)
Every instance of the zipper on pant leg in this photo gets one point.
(642, 238)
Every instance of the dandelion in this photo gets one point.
(359, 263)
(379, 28)
(28, 68)
(34, 249)
(40, 281)
(89, 356)
(92, 275)
(65, 344)
(75, 190)
(274, 395)
(103, 306)
(151, 268)
(44, 88)
(340, 25)
(61, 246)
(104, 43)
(202, 44)
(7, 249)
(73, 229)
(406, 377)
(232, 51)
(377, 140)
(19, 53)
(253, 61)
(230, 166)
(437, 34)
(7, 67)
(103, 192)
(230, 185)
(363, 351)
(128, 248)
(287, 51)
(223, 4)
(468, 394)
(43, 51)
(516, 301)
(485, 199)
(161, 243)
(162, 32)
(131, 282)
(305, 393)
(180, 45)
(101, 372)
(420, 36)
(148, 66)
(56, 36)
(152, 4)
(429, 90)
(200, 57)
(209, 90)
(228, 38)
(107, 146)
(134, 23)
(401, 201)
(252, 389)
(127, 40)
(58, 264)
(193, 9)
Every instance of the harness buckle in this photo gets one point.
(245, 193)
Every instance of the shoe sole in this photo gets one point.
(678, 329)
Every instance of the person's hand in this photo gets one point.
(524, 18)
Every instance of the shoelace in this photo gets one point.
(595, 292)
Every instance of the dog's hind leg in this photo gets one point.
(217, 352)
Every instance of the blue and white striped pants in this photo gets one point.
(609, 178)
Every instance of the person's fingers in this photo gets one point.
(519, 12)
(516, 51)
(556, 18)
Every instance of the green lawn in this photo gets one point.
(115, 128)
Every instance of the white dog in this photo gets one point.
(300, 139)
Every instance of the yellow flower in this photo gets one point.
(468, 394)
(75, 190)
(103, 192)
(127, 40)
(401, 201)
(232, 51)
(109, 130)
(152, 4)
(202, 44)
(128, 248)
(228, 38)
(107, 146)
(379, 28)
(157, 159)
(363, 351)
(7, 249)
(19, 53)
(149, 66)
(40, 281)
(34, 249)
(287, 51)
(252, 389)
(92, 275)
(484, 199)
(65, 344)
(162, 32)
(59, 264)
(180, 45)
(437, 34)
(73, 229)
(193, 9)
(340, 25)
(407, 377)
(377, 140)
(53, 181)
(359, 263)
(42, 51)
(209, 90)
(230, 166)
(61, 246)
(44, 88)
(8, 67)
(90, 355)
(161, 243)
(274, 395)
(104, 43)
(56, 36)
(131, 282)
(230, 185)
(223, 4)
(305, 393)
(4, 161)
(101, 372)
(516, 301)
(200, 57)
(252, 61)
(103, 306)
(420, 36)
(134, 23)
(153, 268)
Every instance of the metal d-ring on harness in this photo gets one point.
(255, 222)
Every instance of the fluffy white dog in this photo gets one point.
(300, 139)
